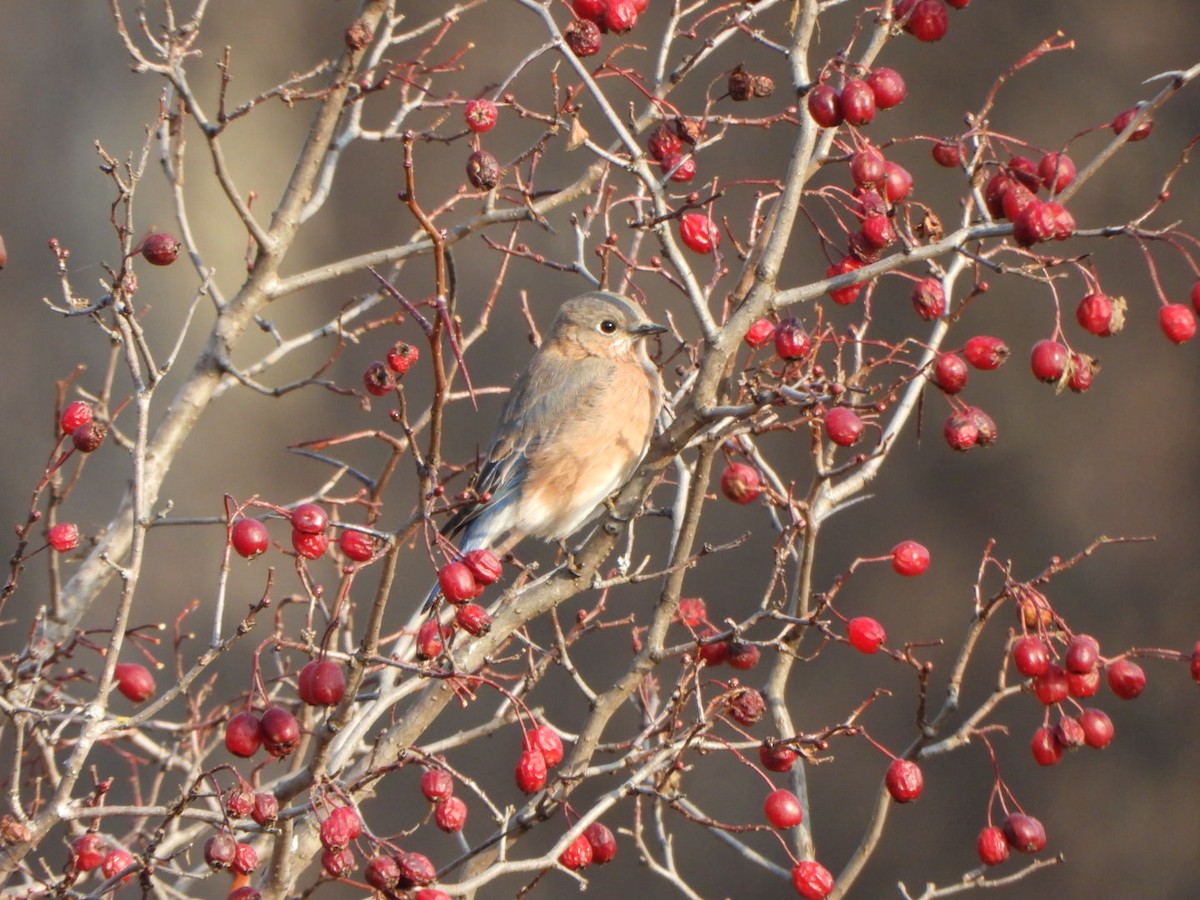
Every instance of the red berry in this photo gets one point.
(777, 757)
(663, 142)
(1196, 296)
(1045, 747)
(484, 566)
(160, 249)
(1056, 171)
(249, 538)
(321, 682)
(280, 731)
(578, 854)
(115, 862)
(899, 182)
(1177, 321)
(910, 558)
(457, 583)
(986, 352)
(473, 619)
(481, 115)
(1024, 834)
(867, 167)
(310, 546)
(1031, 656)
(75, 414)
(692, 612)
(699, 233)
(679, 168)
(1123, 121)
(877, 231)
(245, 859)
(1069, 733)
(824, 105)
(1049, 360)
(415, 869)
(87, 852)
(430, 894)
(239, 802)
(857, 102)
(219, 851)
(603, 841)
(746, 706)
(960, 431)
(1036, 223)
(451, 815)
(1083, 653)
(812, 880)
(339, 828)
(309, 518)
(620, 16)
(266, 809)
(134, 681)
(950, 372)
(378, 379)
(993, 193)
(546, 741)
(436, 784)
(844, 296)
(431, 639)
(1195, 666)
(87, 438)
(904, 780)
(792, 341)
(947, 154)
(929, 299)
(714, 653)
(531, 772)
(1051, 686)
(243, 735)
(382, 873)
(356, 545)
(928, 21)
(338, 863)
(1098, 314)
(742, 656)
(782, 809)
(1064, 222)
(1016, 199)
(63, 537)
(991, 846)
(1083, 685)
(760, 334)
(592, 10)
(1025, 171)
(843, 426)
(1098, 728)
(1126, 678)
(401, 357)
(888, 87)
(865, 634)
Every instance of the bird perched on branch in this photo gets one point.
(574, 428)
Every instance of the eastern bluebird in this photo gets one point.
(574, 428)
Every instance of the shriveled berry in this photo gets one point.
(1081, 374)
(1083, 685)
(985, 428)
(986, 352)
(950, 372)
(1176, 320)
(309, 546)
(401, 356)
(473, 619)
(338, 863)
(458, 583)
(1098, 729)
(88, 437)
(888, 87)
(243, 734)
(866, 634)
(1016, 199)
(782, 809)
(1056, 171)
(1064, 222)
(843, 426)
(1126, 678)
(545, 740)
(356, 545)
(742, 656)
(877, 232)
(63, 536)
(663, 142)
(280, 731)
(160, 249)
(777, 757)
(603, 841)
(481, 115)
(134, 681)
(746, 706)
(760, 333)
(340, 827)
(382, 873)
(1031, 656)
(960, 431)
(416, 869)
(910, 558)
(87, 851)
(309, 518)
(1083, 654)
(484, 566)
(583, 37)
(266, 809)
(1025, 171)
(451, 815)
(219, 851)
(249, 538)
(75, 414)
(1024, 834)
(713, 653)
(1069, 733)
(115, 862)
(483, 170)
(578, 854)
(1051, 686)
(1048, 360)
(904, 780)
(531, 772)
(436, 785)
(245, 859)
(844, 296)
(1045, 747)
(699, 233)
(857, 102)
(1123, 121)
(824, 105)
(991, 846)
(678, 167)
(1035, 224)
(812, 880)
(792, 340)
(929, 299)
(321, 682)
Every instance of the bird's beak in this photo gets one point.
(647, 329)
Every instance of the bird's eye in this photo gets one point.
(608, 326)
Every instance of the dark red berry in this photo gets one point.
(1126, 678)
(531, 772)
(866, 635)
(812, 880)
(699, 233)
(1036, 223)
(1123, 121)
(134, 681)
(401, 356)
(1098, 314)
(1064, 222)
(792, 340)
(928, 299)
(1045, 747)
(160, 249)
(280, 731)
(1048, 360)
(867, 167)
(451, 815)
(219, 851)
(1177, 321)
(1031, 656)
(382, 873)
(338, 863)
(620, 16)
(928, 21)
(824, 105)
(603, 841)
(473, 619)
(1051, 686)
(239, 802)
(782, 809)
(591, 10)
(583, 37)
(713, 653)
(877, 232)
(436, 785)
(947, 154)
(857, 102)
(249, 538)
(950, 372)
(991, 846)
(898, 183)
(663, 142)
(243, 734)
(910, 558)
(321, 682)
(1083, 685)
(457, 582)
(431, 639)
(844, 296)
(843, 426)
(904, 780)
(309, 518)
(678, 167)
(484, 566)
(742, 656)
(245, 859)
(378, 379)
(115, 862)
(266, 809)
(960, 431)
(339, 828)
(88, 437)
(1195, 663)
(75, 414)
(416, 869)
(483, 170)
(777, 757)
(1098, 728)
(1024, 834)
(888, 87)
(481, 115)
(1083, 653)
(1016, 199)
(1069, 733)
(746, 706)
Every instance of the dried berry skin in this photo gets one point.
(792, 340)
(960, 432)
(245, 859)
(583, 37)
(746, 706)
(1056, 171)
(741, 84)
(663, 142)
(401, 358)
(338, 863)
(742, 656)
(436, 784)
(309, 546)
(777, 757)
(378, 379)
(266, 809)
(451, 815)
(546, 741)
(473, 619)
(929, 299)
(483, 170)
(382, 873)
(219, 851)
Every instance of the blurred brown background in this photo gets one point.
(1119, 460)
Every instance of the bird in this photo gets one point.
(575, 426)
